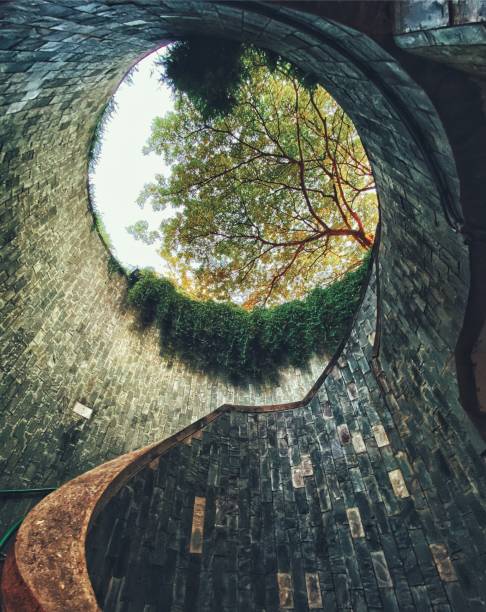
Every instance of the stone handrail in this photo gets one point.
(46, 568)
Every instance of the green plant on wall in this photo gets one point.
(211, 71)
(103, 119)
(114, 266)
(246, 345)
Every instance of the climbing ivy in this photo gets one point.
(246, 345)
(211, 70)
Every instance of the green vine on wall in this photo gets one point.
(246, 345)
(225, 338)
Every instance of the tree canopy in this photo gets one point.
(271, 198)
(211, 70)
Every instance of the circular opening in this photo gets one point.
(257, 205)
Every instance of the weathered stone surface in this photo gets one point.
(358, 443)
(314, 597)
(81, 410)
(422, 15)
(380, 435)
(297, 477)
(344, 523)
(443, 562)
(197, 531)
(286, 600)
(343, 434)
(66, 337)
(306, 465)
(382, 573)
(398, 483)
(355, 524)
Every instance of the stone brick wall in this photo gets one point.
(424, 15)
(330, 506)
(66, 335)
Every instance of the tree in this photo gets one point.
(271, 198)
(209, 70)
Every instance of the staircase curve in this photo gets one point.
(312, 505)
(371, 492)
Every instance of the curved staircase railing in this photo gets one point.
(46, 568)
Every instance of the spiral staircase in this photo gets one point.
(367, 494)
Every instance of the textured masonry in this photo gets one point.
(67, 336)
(222, 522)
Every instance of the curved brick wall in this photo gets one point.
(326, 506)
(65, 334)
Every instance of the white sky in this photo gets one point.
(122, 168)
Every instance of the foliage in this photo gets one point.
(103, 119)
(270, 199)
(140, 231)
(211, 71)
(100, 227)
(115, 267)
(208, 70)
(246, 345)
